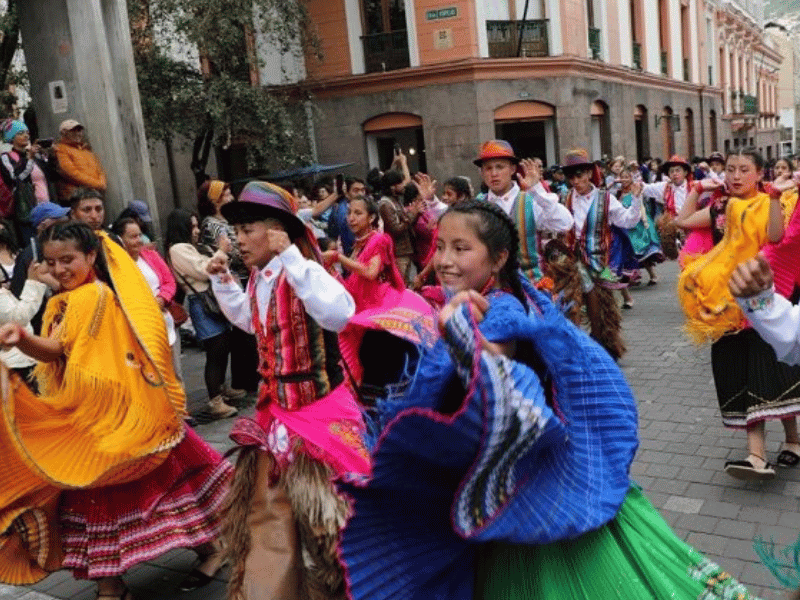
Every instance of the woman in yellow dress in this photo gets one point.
(99, 472)
(752, 386)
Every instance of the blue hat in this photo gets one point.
(141, 209)
(47, 210)
(11, 129)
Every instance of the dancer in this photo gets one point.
(307, 425)
(127, 481)
(642, 236)
(373, 279)
(521, 195)
(752, 386)
(595, 212)
(496, 436)
(671, 195)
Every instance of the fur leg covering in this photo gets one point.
(321, 513)
(670, 235)
(605, 320)
(560, 265)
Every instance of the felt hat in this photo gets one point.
(261, 200)
(676, 161)
(69, 125)
(495, 149)
(716, 157)
(11, 129)
(575, 160)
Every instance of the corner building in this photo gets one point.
(633, 77)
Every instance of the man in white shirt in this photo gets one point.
(672, 193)
(595, 211)
(523, 198)
(294, 307)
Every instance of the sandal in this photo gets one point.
(746, 470)
(787, 458)
(628, 304)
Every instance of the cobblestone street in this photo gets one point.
(679, 463)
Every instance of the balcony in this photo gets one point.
(637, 56)
(594, 42)
(386, 51)
(664, 64)
(504, 38)
(744, 104)
(686, 71)
(750, 105)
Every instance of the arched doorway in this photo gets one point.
(690, 144)
(383, 132)
(600, 131)
(642, 133)
(529, 127)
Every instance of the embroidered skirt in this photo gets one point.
(752, 385)
(634, 557)
(105, 531)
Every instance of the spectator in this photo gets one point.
(23, 175)
(398, 222)
(78, 166)
(8, 252)
(139, 211)
(42, 217)
(157, 275)
(189, 259)
(217, 234)
(423, 224)
(353, 188)
(86, 205)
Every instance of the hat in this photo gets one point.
(575, 160)
(716, 157)
(261, 200)
(676, 161)
(47, 210)
(141, 209)
(11, 129)
(215, 189)
(69, 125)
(495, 149)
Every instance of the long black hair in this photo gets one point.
(86, 241)
(497, 232)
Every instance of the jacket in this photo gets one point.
(78, 167)
(167, 286)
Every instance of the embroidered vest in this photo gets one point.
(525, 220)
(595, 241)
(669, 199)
(297, 358)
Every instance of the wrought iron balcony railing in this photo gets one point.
(637, 56)
(594, 42)
(504, 38)
(386, 51)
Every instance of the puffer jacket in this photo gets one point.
(78, 167)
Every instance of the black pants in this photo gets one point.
(244, 360)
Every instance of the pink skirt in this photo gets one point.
(105, 531)
(698, 242)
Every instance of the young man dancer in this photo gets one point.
(284, 516)
(523, 198)
(595, 211)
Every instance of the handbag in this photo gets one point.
(207, 299)
(178, 313)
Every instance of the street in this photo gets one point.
(679, 463)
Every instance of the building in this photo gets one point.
(633, 77)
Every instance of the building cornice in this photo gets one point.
(492, 69)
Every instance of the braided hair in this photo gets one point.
(497, 232)
(86, 241)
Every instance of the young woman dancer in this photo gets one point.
(100, 473)
(643, 236)
(752, 386)
(498, 438)
(374, 279)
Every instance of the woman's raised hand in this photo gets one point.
(478, 306)
(425, 185)
(10, 335)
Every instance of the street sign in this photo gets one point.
(442, 13)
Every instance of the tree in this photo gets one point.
(9, 44)
(198, 70)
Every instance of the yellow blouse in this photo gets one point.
(703, 291)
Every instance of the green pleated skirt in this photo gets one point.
(634, 557)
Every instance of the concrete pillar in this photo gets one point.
(726, 79)
(86, 45)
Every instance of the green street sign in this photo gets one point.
(442, 13)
